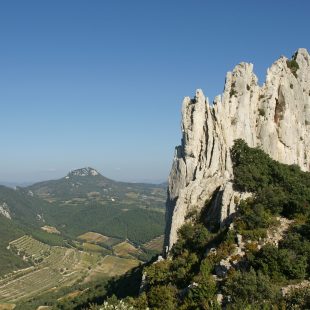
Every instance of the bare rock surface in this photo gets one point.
(4, 210)
(286, 290)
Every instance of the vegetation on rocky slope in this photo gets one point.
(257, 275)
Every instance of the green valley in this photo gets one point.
(62, 234)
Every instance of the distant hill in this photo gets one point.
(88, 183)
(84, 200)
(15, 184)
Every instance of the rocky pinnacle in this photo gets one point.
(274, 117)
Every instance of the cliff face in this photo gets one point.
(275, 117)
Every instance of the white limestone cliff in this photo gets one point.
(275, 117)
(4, 210)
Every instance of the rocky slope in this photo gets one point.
(275, 117)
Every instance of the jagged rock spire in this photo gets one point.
(275, 117)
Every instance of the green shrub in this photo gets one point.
(279, 188)
(280, 264)
(249, 289)
(162, 297)
(252, 216)
(158, 273)
(293, 66)
(202, 295)
(193, 237)
(206, 267)
(233, 91)
(183, 268)
(261, 112)
(298, 299)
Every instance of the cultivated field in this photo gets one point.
(50, 229)
(90, 247)
(93, 237)
(111, 266)
(155, 245)
(56, 267)
(96, 238)
(52, 267)
(125, 249)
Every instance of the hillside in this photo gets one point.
(22, 206)
(101, 224)
(21, 213)
(9, 230)
(262, 259)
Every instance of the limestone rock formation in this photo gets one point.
(275, 117)
(83, 172)
(4, 210)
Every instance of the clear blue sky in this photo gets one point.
(100, 83)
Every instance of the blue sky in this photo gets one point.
(100, 83)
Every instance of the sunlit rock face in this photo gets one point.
(274, 117)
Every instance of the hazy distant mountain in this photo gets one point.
(15, 184)
(84, 200)
(88, 183)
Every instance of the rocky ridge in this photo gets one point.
(274, 117)
(83, 172)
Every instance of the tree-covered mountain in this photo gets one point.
(88, 183)
(84, 200)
